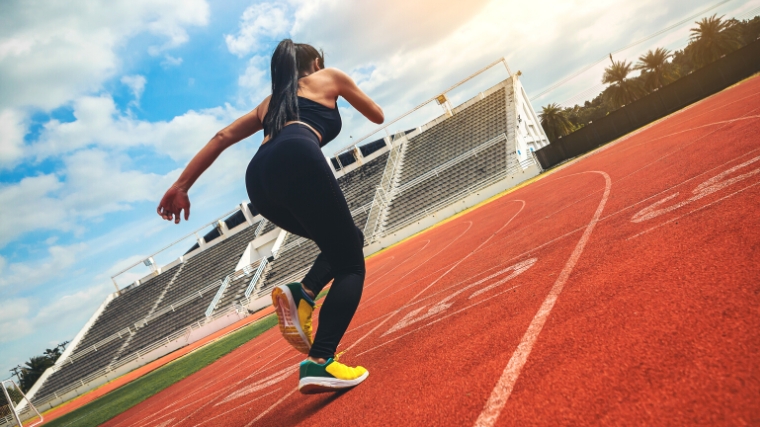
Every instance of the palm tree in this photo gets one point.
(712, 38)
(555, 122)
(622, 90)
(33, 370)
(654, 66)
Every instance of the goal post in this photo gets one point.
(13, 414)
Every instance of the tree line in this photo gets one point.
(712, 38)
(28, 373)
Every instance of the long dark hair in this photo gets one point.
(289, 61)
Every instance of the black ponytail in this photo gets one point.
(283, 106)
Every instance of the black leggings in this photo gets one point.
(290, 183)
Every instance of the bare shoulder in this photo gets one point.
(263, 107)
(337, 75)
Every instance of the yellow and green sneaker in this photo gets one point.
(294, 307)
(332, 376)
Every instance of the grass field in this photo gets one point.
(112, 404)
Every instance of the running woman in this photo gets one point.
(290, 183)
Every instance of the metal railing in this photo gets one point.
(511, 167)
(179, 303)
(456, 160)
(256, 276)
(355, 143)
(137, 325)
(218, 296)
(192, 233)
(259, 228)
(293, 277)
(168, 339)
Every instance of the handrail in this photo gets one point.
(452, 162)
(456, 196)
(137, 325)
(218, 296)
(255, 279)
(354, 144)
(216, 221)
(259, 228)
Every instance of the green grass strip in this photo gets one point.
(129, 395)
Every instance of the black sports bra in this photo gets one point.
(323, 119)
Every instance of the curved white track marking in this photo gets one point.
(274, 405)
(237, 408)
(416, 316)
(456, 264)
(716, 183)
(165, 423)
(695, 210)
(383, 265)
(393, 313)
(508, 378)
(261, 384)
(431, 257)
(480, 301)
(397, 265)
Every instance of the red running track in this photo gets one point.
(622, 288)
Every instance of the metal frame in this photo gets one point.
(355, 144)
(256, 276)
(12, 407)
(218, 296)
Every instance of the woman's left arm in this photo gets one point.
(175, 199)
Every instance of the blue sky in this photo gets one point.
(103, 103)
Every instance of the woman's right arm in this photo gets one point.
(348, 89)
(175, 200)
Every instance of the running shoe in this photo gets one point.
(294, 307)
(332, 376)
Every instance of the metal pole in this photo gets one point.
(11, 406)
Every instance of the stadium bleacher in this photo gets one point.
(438, 162)
(359, 184)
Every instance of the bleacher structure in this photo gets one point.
(394, 186)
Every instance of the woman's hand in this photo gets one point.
(172, 204)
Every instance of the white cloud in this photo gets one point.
(12, 131)
(99, 123)
(92, 184)
(51, 52)
(136, 84)
(28, 205)
(14, 323)
(27, 275)
(18, 320)
(254, 83)
(170, 61)
(259, 21)
(76, 305)
(96, 184)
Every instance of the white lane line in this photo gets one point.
(375, 280)
(165, 423)
(441, 318)
(237, 408)
(695, 210)
(508, 378)
(274, 405)
(391, 314)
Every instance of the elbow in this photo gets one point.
(223, 138)
(379, 116)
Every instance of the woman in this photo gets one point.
(290, 183)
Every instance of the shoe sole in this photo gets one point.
(313, 385)
(285, 307)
